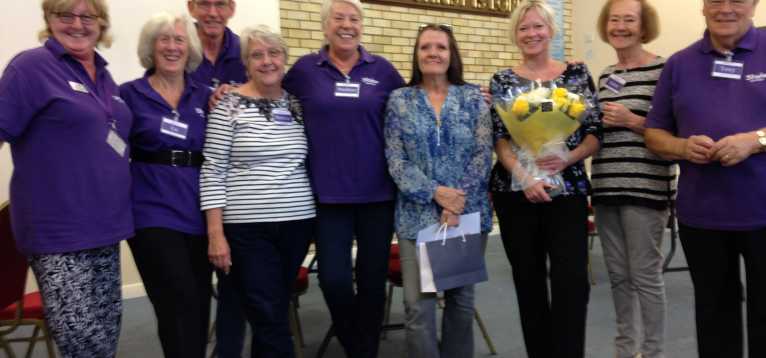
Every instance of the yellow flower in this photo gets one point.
(560, 103)
(520, 107)
(560, 93)
(576, 109)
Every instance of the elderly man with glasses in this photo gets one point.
(708, 115)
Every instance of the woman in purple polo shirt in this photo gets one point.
(343, 90)
(70, 190)
(170, 246)
(713, 124)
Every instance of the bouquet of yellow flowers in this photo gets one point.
(541, 115)
(539, 119)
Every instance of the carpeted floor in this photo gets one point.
(496, 302)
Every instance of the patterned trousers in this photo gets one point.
(82, 296)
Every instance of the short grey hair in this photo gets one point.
(162, 22)
(263, 34)
(324, 13)
(543, 9)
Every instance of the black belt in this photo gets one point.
(176, 158)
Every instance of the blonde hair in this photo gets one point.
(650, 21)
(543, 9)
(99, 6)
(324, 13)
(159, 23)
(263, 34)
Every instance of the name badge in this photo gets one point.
(281, 116)
(78, 87)
(174, 128)
(345, 89)
(615, 83)
(114, 141)
(728, 69)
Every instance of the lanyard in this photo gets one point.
(106, 106)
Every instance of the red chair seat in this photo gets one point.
(302, 281)
(33, 308)
(591, 227)
(394, 254)
(394, 266)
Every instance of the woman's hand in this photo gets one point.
(735, 148)
(486, 94)
(218, 94)
(450, 218)
(537, 193)
(218, 252)
(617, 115)
(450, 198)
(552, 164)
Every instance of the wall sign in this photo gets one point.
(501, 8)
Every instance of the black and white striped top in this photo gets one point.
(624, 171)
(255, 154)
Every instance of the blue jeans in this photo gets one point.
(357, 316)
(265, 261)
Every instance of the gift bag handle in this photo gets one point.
(443, 230)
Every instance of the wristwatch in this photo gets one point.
(761, 139)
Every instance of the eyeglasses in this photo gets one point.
(442, 27)
(68, 18)
(734, 3)
(271, 53)
(208, 5)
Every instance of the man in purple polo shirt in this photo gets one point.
(221, 67)
(709, 113)
(221, 61)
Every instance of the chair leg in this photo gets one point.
(33, 340)
(7, 348)
(296, 304)
(48, 342)
(387, 316)
(325, 342)
(484, 332)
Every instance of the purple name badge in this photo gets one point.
(281, 116)
(615, 83)
(728, 69)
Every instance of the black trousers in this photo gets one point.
(357, 312)
(714, 265)
(177, 276)
(533, 235)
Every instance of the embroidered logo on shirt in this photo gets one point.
(752, 78)
(370, 81)
(200, 112)
(118, 99)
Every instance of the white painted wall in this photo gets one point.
(21, 20)
(681, 23)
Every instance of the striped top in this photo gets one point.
(255, 161)
(624, 171)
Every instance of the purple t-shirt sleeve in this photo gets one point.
(661, 114)
(17, 104)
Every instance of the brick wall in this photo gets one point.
(389, 31)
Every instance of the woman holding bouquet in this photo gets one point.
(438, 135)
(631, 185)
(535, 225)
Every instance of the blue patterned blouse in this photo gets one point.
(422, 154)
(576, 78)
